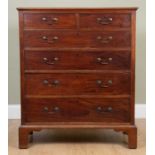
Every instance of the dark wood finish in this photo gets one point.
(77, 70)
(24, 131)
(132, 138)
(77, 84)
(93, 60)
(49, 21)
(106, 20)
(76, 110)
(42, 38)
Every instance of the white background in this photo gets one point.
(150, 78)
(3, 77)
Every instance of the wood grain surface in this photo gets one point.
(77, 66)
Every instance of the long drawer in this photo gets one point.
(77, 84)
(40, 38)
(58, 60)
(76, 110)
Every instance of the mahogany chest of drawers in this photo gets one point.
(77, 70)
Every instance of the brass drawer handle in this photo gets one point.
(104, 110)
(102, 61)
(54, 109)
(50, 62)
(104, 20)
(55, 19)
(44, 37)
(104, 40)
(45, 109)
(101, 84)
(50, 21)
(44, 19)
(53, 40)
(54, 83)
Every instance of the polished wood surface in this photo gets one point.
(49, 21)
(77, 66)
(77, 84)
(76, 110)
(77, 141)
(42, 38)
(68, 60)
(105, 20)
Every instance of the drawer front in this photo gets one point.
(49, 21)
(77, 39)
(77, 84)
(106, 20)
(58, 60)
(76, 110)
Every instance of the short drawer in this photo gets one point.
(93, 60)
(77, 110)
(106, 20)
(77, 39)
(77, 84)
(49, 21)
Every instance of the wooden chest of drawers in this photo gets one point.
(77, 70)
